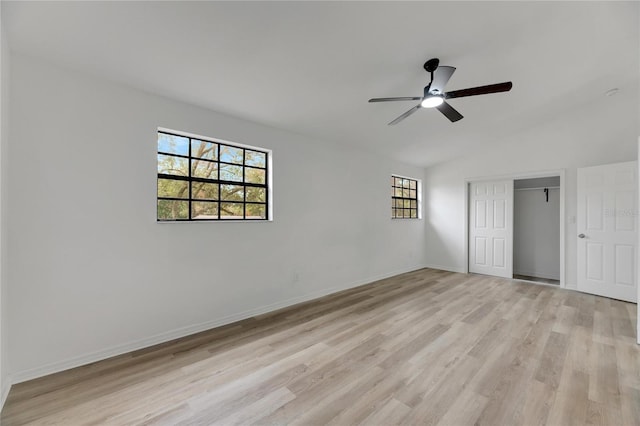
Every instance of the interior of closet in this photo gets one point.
(536, 236)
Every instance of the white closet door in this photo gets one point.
(491, 228)
(607, 230)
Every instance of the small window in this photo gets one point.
(201, 179)
(404, 198)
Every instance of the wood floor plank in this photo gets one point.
(376, 398)
(439, 398)
(553, 359)
(390, 414)
(603, 382)
(427, 347)
(630, 403)
(571, 404)
(465, 410)
(538, 400)
(506, 401)
(253, 412)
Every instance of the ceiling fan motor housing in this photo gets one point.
(431, 65)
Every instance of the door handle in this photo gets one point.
(581, 236)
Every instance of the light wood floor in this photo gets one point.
(427, 347)
(536, 279)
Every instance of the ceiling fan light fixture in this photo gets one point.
(431, 101)
(434, 95)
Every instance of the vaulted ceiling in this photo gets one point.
(310, 67)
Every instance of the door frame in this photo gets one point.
(515, 176)
(638, 259)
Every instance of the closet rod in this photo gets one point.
(541, 187)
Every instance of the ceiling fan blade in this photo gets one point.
(440, 78)
(450, 112)
(481, 90)
(405, 115)
(406, 98)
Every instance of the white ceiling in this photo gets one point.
(310, 67)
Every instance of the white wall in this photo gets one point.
(598, 133)
(536, 233)
(4, 134)
(92, 274)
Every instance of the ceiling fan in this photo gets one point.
(435, 97)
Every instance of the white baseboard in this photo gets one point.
(446, 268)
(6, 387)
(34, 373)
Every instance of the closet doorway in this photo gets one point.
(515, 226)
(536, 229)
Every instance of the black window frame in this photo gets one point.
(191, 179)
(398, 202)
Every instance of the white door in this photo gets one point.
(607, 230)
(491, 228)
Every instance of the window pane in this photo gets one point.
(256, 159)
(173, 144)
(231, 211)
(204, 169)
(203, 190)
(256, 194)
(256, 211)
(203, 149)
(170, 165)
(228, 172)
(203, 210)
(232, 192)
(173, 188)
(254, 175)
(171, 210)
(405, 193)
(229, 154)
(204, 165)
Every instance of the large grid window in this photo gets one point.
(404, 198)
(201, 179)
